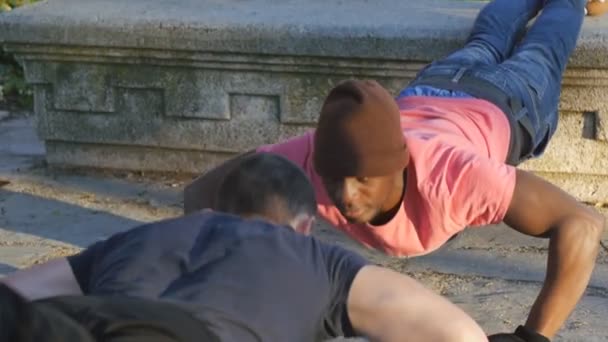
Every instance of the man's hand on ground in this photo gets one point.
(541, 209)
(53, 278)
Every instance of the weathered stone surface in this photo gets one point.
(387, 29)
(182, 115)
(577, 157)
(160, 85)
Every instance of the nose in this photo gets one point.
(349, 193)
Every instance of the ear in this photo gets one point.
(303, 224)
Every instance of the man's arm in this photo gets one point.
(539, 208)
(201, 193)
(386, 306)
(59, 277)
(54, 278)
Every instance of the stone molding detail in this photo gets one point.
(183, 100)
(579, 146)
(167, 110)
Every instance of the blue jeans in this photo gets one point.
(527, 66)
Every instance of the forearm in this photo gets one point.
(386, 306)
(54, 278)
(573, 249)
(201, 193)
(438, 330)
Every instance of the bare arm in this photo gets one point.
(539, 208)
(387, 306)
(54, 278)
(201, 193)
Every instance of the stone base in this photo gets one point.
(591, 189)
(134, 158)
(133, 86)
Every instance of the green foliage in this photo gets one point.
(7, 5)
(12, 83)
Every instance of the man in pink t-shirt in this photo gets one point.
(404, 176)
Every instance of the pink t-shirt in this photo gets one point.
(456, 177)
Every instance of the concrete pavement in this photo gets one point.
(493, 273)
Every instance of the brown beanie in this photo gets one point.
(359, 132)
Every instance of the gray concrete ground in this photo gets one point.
(493, 273)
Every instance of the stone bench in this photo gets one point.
(182, 85)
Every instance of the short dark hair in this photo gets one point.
(269, 185)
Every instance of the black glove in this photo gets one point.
(530, 335)
(505, 338)
(522, 334)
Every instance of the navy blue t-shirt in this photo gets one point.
(248, 279)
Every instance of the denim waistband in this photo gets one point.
(520, 144)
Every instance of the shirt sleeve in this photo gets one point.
(480, 189)
(82, 264)
(342, 267)
(297, 149)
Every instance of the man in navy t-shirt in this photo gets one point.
(249, 276)
(255, 281)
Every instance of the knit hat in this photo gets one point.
(359, 132)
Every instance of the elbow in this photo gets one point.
(596, 231)
(465, 331)
(470, 335)
(455, 331)
(594, 225)
(440, 321)
(586, 227)
(599, 226)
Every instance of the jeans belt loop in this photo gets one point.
(459, 75)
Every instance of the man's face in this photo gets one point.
(361, 199)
